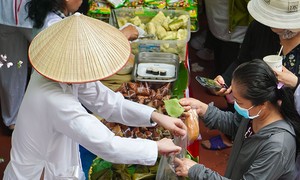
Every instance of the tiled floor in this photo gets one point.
(216, 160)
(5, 137)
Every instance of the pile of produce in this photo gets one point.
(163, 27)
(144, 93)
(104, 170)
(154, 133)
(165, 31)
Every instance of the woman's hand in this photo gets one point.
(287, 77)
(223, 91)
(183, 166)
(166, 146)
(191, 103)
(130, 32)
(175, 125)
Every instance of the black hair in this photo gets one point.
(259, 84)
(38, 10)
(84, 8)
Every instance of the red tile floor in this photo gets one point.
(216, 160)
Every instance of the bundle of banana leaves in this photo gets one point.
(101, 169)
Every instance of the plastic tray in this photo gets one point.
(158, 60)
(168, 68)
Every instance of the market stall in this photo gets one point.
(156, 72)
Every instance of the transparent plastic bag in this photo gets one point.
(166, 167)
(192, 124)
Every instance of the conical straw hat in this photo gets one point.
(79, 49)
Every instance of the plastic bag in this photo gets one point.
(192, 124)
(166, 167)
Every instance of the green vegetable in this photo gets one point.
(102, 169)
(102, 165)
(173, 108)
(104, 174)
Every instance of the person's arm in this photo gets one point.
(114, 107)
(224, 121)
(189, 168)
(199, 171)
(297, 98)
(266, 166)
(71, 119)
(287, 78)
(270, 166)
(214, 118)
(227, 75)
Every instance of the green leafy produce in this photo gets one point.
(102, 164)
(189, 156)
(180, 85)
(173, 108)
(101, 169)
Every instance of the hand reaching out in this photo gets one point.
(191, 103)
(175, 125)
(223, 91)
(130, 32)
(287, 77)
(183, 166)
(166, 146)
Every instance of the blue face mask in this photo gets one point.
(245, 112)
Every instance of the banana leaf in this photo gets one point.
(101, 169)
(181, 84)
(173, 108)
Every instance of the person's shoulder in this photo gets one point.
(258, 26)
(51, 19)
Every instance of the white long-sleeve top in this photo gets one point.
(52, 123)
(14, 13)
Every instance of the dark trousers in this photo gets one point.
(225, 52)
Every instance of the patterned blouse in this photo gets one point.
(292, 61)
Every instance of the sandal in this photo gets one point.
(216, 143)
